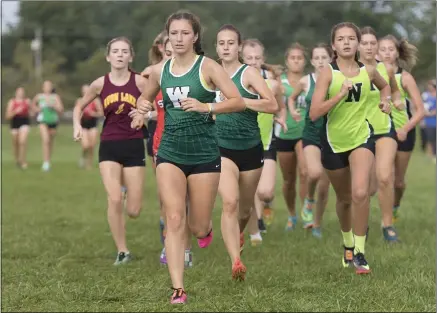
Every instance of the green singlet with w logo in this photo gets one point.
(239, 130)
(189, 138)
(346, 126)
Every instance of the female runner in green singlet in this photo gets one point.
(188, 161)
(321, 56)
(289, 144)
(341, 94)
(239, 140)
(253, 55)
(402, 55)
(159, 53)
(382, 179)
(48, 105)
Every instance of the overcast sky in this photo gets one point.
(9, 13)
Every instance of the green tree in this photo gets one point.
(22, 72)
(75, 34)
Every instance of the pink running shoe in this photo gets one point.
(205, 242)
(178, 297)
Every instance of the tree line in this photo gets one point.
(74, 34)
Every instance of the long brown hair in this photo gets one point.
(407, 52)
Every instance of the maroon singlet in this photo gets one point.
(117, 102)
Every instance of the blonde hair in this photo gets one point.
(276, 70)
(252, 42)
(407, 52)
(155, 55)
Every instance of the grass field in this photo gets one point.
(57, 251)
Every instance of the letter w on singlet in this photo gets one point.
(355, 93)
(176, 94)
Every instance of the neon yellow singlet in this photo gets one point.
(380, 121)
(346, 126)
(265, 124)
(400, 117)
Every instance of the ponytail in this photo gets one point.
(407, 54)
(240, 58)
(155, 55)
(198, 46)
(276, 70)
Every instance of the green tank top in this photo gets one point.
(265, 122)
(400, 117)
(189, 138)
(310, 92)
(295, 129)
(312, 129)
(346, 124)
(381, 122)
(48, 114)
(239, 130)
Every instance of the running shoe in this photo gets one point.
(179, 296)
(238, 270)
(317, 232)
(256, 239)
(360, 263)
(205, 242)
(390, 234)
(261, 226)
(307, 214)
(123, 258)
(291, 223)
(268, 215)
(348, 257)
(45, 167)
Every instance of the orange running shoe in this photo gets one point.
(238, 270)
(268, 215)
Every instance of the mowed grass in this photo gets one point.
(57, 251)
